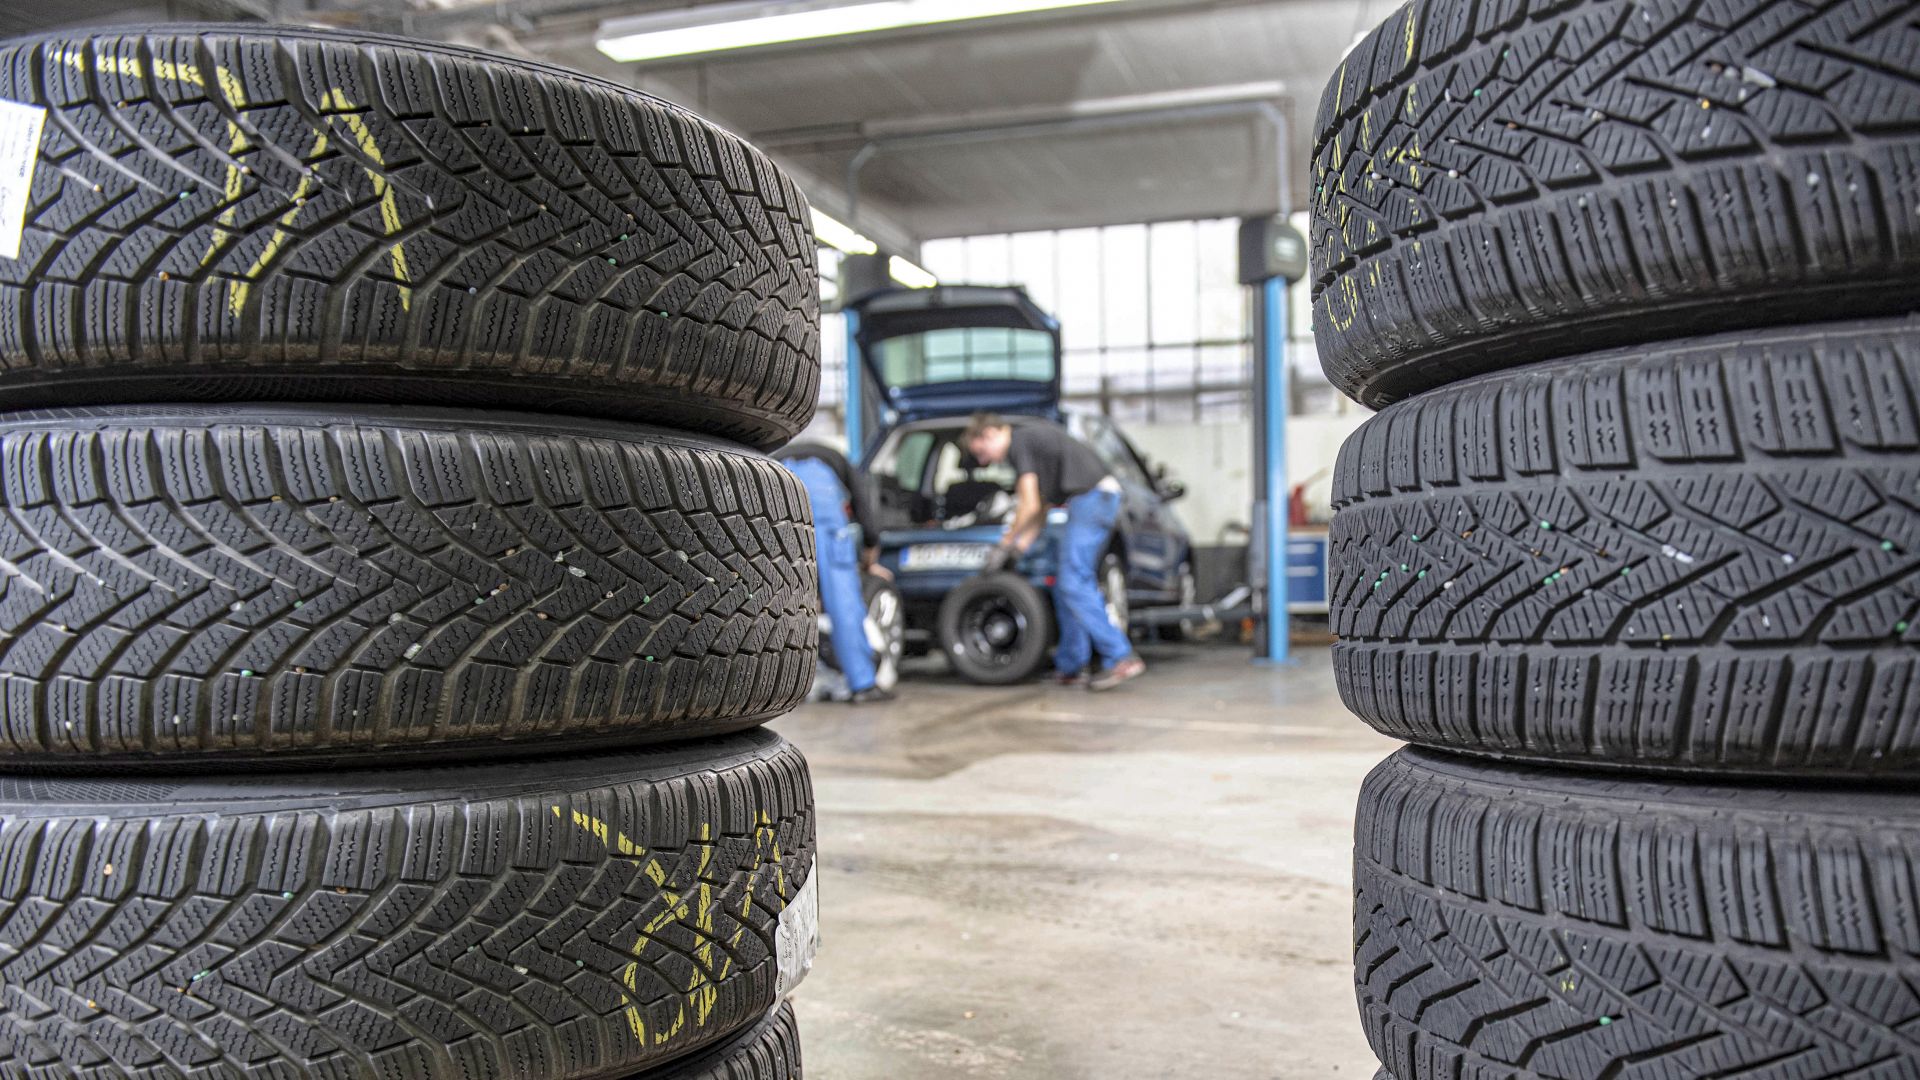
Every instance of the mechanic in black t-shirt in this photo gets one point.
(1054, 468)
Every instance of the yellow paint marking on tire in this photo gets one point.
(701, 985)
(236, 142)
(1347, 291)
(237, 302)
(382, 187)
(765, 833)
(1411, 23)
(130, 67)
(701, 989)
(635, 1022)
(614, 839)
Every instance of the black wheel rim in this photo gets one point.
(993, 629)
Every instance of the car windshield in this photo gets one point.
(964, 354)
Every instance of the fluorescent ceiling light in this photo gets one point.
(841, 236)
(906, 273)
(725, 27)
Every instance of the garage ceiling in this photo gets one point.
(816, 104)
(810, 104)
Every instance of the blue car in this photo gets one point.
(937, 356)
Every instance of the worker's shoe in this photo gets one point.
(1068, 678)
(872, 695)
(1130, 668)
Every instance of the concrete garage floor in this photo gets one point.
(1041, 882)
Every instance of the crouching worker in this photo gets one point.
(842, 527)
(1052, 467)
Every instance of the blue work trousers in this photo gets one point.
(836, 548)
(1084, 626)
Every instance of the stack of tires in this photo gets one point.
(1631, 552)
(393, 585)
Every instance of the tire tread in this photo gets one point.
(453, 923)
(222, 213)
(1503, 183)
(1500, 913)
(1702, 555)
(289, 583)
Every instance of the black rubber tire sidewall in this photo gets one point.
(769, 1050)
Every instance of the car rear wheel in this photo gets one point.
(1189, 597)
(1113, 591)
(886, 629)
(996, 628)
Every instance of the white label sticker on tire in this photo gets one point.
(797, 938)
(19, 149)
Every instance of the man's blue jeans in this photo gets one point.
(1084, 627)
(836, 549)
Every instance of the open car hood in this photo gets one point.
(936, 352)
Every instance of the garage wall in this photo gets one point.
(1215, 461)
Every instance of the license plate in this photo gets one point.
(944, 557)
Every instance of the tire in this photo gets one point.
(886, 628)
(1548, 182)
(1522, 923)
(1189, 596)
(885, 633)
(770, 1050)
(227, 213)
(1113, 592)
(996, 628)
(568, 918)
(291, 584)
(1701, 556)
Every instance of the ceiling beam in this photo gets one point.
(1007, 122)
(1263, 101)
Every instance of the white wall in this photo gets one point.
(1215, 461)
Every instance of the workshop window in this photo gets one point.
(1153, 323)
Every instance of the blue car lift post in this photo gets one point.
(850, 403)
(1272, 253)
(1270, 635)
